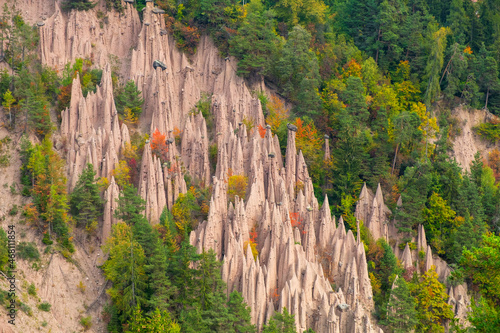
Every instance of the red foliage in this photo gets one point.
(159, 146)
(262, 131)
(253, 235)
(63, 99)
(275, 296)
(295, 220)
(408, 273)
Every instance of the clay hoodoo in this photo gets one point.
(91, 131)
(81, 34)
(171, 94)
(374, 213)
(301, 250)
(286, 272)
(91, 134)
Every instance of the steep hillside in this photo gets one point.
(279, 246)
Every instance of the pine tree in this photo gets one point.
(129, 98)
(182, 276)
(458, 22)
(348, 157)
(159, 322)
(296, 70)
(125, 268)
(85, 201)
(401, 312)
(239, 314)
(353, 97)
(256, 42)
(159, 284)
(281, 323)
(490, 79)
(416, 182)
(130, 205)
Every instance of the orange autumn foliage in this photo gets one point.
(307, 138)
(262, 131)
(278, 113)
(352, 68)
(159, 146)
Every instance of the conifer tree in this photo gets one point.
(353, 97)
(125, 268)
(85, 201)
(281, 323)
(130, 205)
(160, 286)
(401, 313)
(129, 98)
(158, 322)
(239, 314)
(256, 42)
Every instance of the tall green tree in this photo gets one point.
(401, 312)
(415, 188)
(239, 314)
(434, 65)
(158, 322)
(296, 71)
(354, 97)
(125, 268)
(85, 202)
(280, 323)
(482, 267)
(256, 43)
(129, 98)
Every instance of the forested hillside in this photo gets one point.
(206, 174)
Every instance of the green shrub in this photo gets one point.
(28, 251)
(213, 150)
(45, 306)
(25, 308)
(489, 131)
(14, 210)
(86, 322)
(32, 289)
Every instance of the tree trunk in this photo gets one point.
(487, 95)
(395, 156)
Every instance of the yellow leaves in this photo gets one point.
(253, 248)
(428, 125)
(387, 98)
(236, 186)
(404, 69)
(468, 50)
(103, 183)
(249, 124)
(129, 151)
(122, 174)
(278, 113)
(129, 118)
(304, 10)
(376, 284)
(352, 68)
(307, 138)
